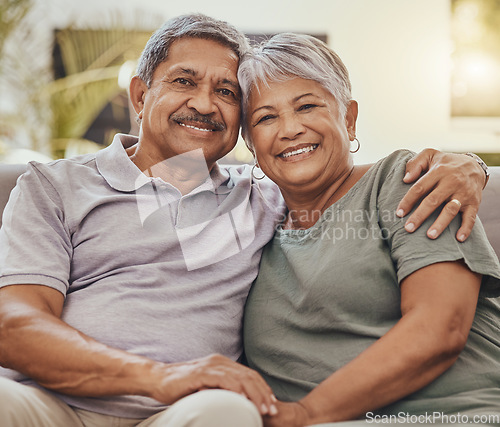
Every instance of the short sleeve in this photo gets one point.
(35, 244)
(412, 251)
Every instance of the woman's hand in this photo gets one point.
(292, 414)
(454, 179)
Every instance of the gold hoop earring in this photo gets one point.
(256, 165)
(358, 147)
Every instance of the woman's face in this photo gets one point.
(299, 137)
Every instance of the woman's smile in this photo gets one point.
(299, 152)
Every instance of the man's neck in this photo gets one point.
(185, 171)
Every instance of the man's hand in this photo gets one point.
(214, 371)
(292, 414)
(453, 179)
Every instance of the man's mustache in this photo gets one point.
(200, 119)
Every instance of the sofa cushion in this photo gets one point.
(8, 178)
(489, 211)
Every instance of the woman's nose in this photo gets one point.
(290, 126)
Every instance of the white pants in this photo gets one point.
(25, 406)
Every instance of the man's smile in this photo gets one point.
(201, 123)
(196, 128)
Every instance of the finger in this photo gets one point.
(249, 383)
(252, 392)
(469, 215)
(415, 194)
(418, 164)
(216, 371)
(449, 211)
(259, 393)
(428, 205)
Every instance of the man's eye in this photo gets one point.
(182, 81)
(227, 92)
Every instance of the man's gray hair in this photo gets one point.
(192, 25)
(289, 55)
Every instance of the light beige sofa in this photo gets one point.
(489, 211)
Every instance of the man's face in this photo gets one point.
(193, 102)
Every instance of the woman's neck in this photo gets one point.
(305, 208)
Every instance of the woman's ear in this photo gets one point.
(351, 117)
(138, 89)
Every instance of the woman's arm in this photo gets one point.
(438, 304)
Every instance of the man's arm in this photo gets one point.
(36, 342)
(449, 178)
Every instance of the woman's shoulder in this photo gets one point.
(396, 161)
(391, 170)
(383, 183)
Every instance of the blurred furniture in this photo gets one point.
(489, 211)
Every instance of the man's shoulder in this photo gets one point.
(243, 173)
(64, 169)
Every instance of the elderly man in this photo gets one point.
(124, 274)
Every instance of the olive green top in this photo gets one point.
(325, 294)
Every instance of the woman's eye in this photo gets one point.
(307, 107)
(265, 118)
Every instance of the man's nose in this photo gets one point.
(202, 100)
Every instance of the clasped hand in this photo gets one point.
(214, 372)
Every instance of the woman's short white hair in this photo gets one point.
(289, 55)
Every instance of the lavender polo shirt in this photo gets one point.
(143, 268)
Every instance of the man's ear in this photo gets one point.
(138, 89)
(351, 117)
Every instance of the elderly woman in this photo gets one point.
(351, 317)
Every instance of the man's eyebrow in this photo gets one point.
(188, 71)
(231, 83)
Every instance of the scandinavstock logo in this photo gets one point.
(212, 226)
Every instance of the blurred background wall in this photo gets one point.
(401, 54)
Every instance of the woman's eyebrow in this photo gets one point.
(302, 96)
(262, 107)
(269, 107)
